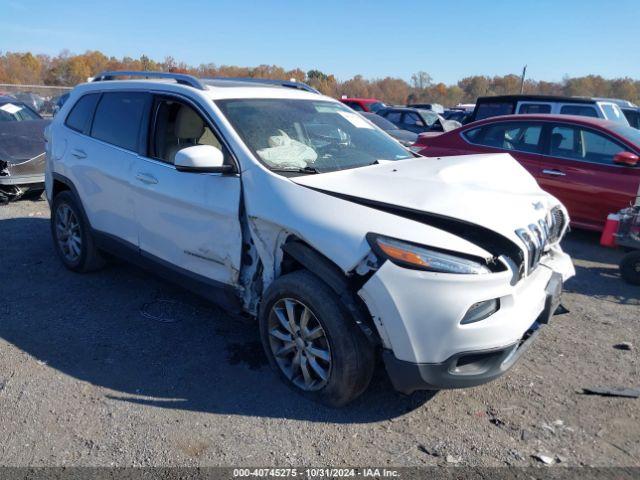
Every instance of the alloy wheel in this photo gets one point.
(299, 344)
(68, 233)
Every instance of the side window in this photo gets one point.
(598, 148)
(563, 142)
(413, 120)
(472, 135)
(79, 119)
(582, 144)
(582, 110)
(118, 118)
(393, 117)
(534, 108)
(178, 126)
(633, 117)
(518, 136)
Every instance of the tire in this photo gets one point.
(73, 240)
(351, 359)
(630, 267)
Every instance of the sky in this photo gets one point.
(449, 39)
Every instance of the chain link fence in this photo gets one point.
(43, 99)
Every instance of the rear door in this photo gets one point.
(191, 221)
(102, 147)
(581, 173)
(522, 139)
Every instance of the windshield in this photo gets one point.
(614, 113)
(379, 121)
(629, 133)
(16, 112)
(429, 117)
(316, 136)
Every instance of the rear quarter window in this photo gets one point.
(79, 118)
(118, 118)
(472, 135)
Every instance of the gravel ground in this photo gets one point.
(90, 376)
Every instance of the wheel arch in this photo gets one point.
(64, 184)
(297, 254)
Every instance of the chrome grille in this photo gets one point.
(538, 237)
(557, 223)
(533, 239)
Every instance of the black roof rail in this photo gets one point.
(181, 78)
(267, 81)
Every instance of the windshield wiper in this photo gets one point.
(297, 170)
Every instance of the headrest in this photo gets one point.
(188, 124)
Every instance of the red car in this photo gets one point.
(591, 165)
(363, 104)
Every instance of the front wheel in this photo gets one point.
(312, 342)
(630, 267)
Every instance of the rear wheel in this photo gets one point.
(72, 236)
(312, 342)
(630, 267)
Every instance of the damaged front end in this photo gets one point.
(21, 178)
(22, 158)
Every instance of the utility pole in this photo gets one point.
(524, 73)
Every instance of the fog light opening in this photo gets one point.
(481, 310)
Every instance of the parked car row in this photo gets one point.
(582, 150)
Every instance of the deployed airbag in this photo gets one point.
(283, 151)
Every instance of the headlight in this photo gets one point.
(417, 257)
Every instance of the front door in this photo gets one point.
(188, 220)
(581, 173)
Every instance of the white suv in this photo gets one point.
(286, 205)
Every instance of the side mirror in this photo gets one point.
(626, 158)
(201, 159)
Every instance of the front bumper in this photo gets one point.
(468, 369)
(23, 180)
(418, 315)
(27, 172)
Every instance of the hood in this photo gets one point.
(20, 141)
(492, 191)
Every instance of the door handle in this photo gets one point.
(146, 178)
(79, 154)
(555, 173)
